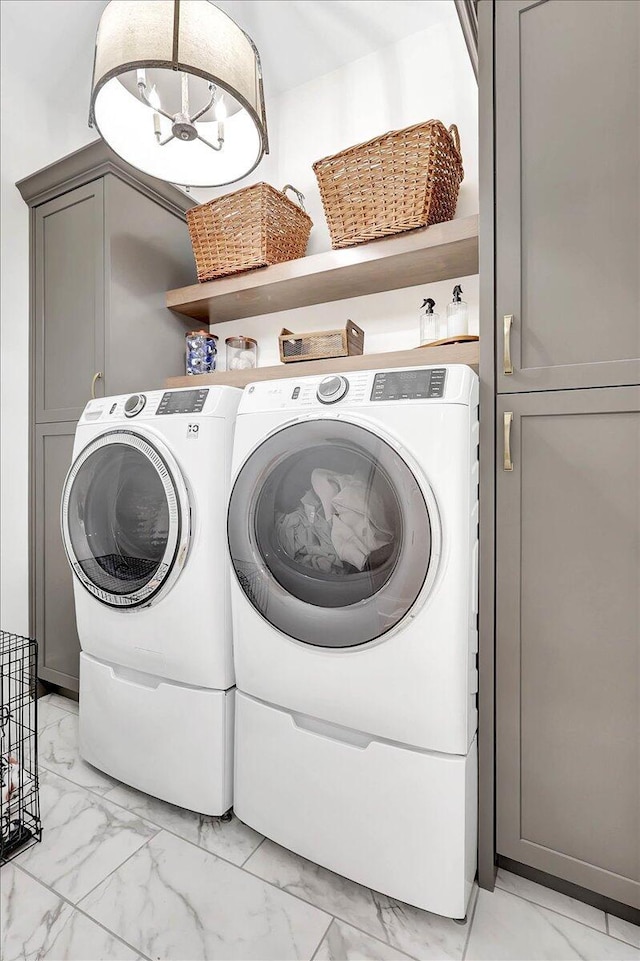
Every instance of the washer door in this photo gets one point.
(330, 533)
(125, 519)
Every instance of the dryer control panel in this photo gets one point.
(450, 384)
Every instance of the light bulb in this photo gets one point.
(220, 115)
(154, 100)
(142, 78)
(221, 111)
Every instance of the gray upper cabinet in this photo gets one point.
(567, 109)
(68, 301)
(104, 256)
(568, 637)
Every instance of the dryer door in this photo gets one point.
(332, 537)
(125, 519)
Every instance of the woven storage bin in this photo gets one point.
(253, 227)
(321, 344)
(405, 179)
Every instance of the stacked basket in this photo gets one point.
(254, 227)
(400, 181)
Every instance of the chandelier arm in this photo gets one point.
(201, 113)
(166, 140)
(143, 96)
(209, 144)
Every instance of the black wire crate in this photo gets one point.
(20, 824)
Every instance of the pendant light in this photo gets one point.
(177, 91)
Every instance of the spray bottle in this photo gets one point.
(429, 322)
(457, 314)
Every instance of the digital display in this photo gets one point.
(182, 402)
(409, 384)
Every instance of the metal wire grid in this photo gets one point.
(20, 824)
(135, 571)
(252, 584)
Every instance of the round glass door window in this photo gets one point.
(330, 534)
(123, 519)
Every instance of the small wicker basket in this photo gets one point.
(253, 227)
(347, 341)
(402, 180)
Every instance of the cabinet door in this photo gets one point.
(568, 638)
(148, 252)
(59, 647)
(568, 192)
(69, 302)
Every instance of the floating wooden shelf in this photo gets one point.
(452, 354)
(440, 252)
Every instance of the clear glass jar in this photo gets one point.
(200, 352)
(242, 353)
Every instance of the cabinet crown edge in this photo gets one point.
(93, 161)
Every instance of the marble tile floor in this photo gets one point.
(121, 876)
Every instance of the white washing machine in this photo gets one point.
(143, 523)
(353, 534)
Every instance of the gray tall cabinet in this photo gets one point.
(560, 326)
(106, 244)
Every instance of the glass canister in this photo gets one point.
(200, 353)
(242, 353)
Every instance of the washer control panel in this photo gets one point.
(415, 384)
(182, 401)
(196, 402)
(332, 389)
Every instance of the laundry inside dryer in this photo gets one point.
(329, 533)
(329, 517)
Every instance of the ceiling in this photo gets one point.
(302, 39)
(298, 40)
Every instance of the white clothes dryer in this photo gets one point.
(353, 532)
(143, 524)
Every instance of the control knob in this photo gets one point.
(134, 404)
(332, 389)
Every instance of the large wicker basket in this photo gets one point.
(404, 179)
(253, 227)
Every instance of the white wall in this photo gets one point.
(423, 76)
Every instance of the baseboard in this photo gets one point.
(46, 687)
(619, 910)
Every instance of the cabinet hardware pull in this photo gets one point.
(507, 364)
(96, 377)
(508, 463)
